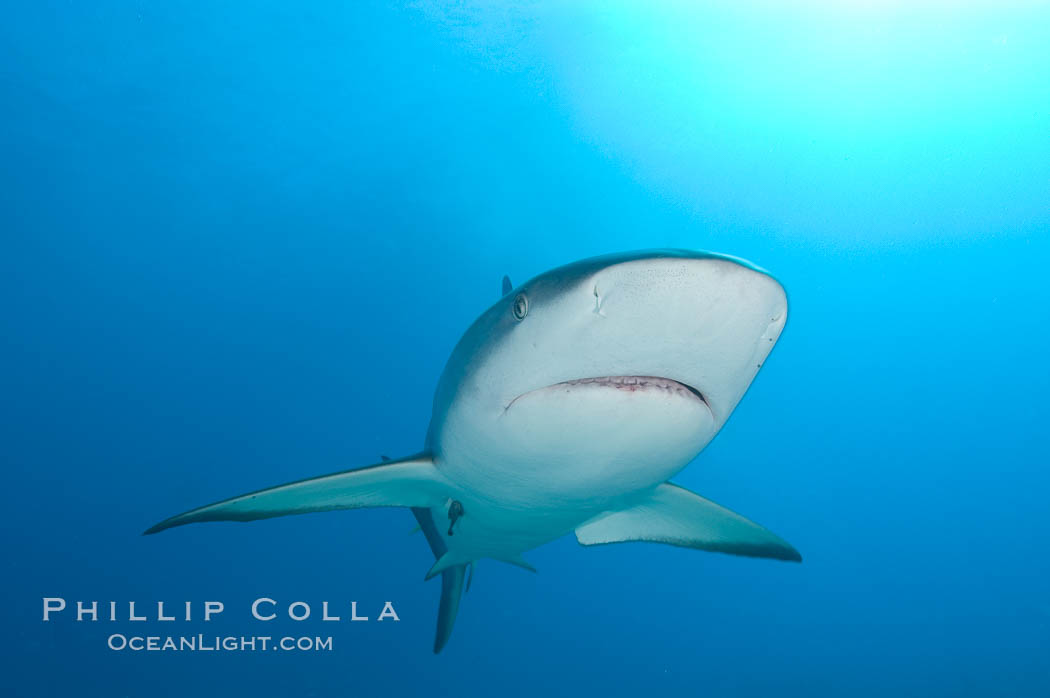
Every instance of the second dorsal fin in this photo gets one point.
(507, 286)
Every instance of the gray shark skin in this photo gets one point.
(566, 407)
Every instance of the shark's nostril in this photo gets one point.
(597, 302)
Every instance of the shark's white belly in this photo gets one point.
(559, 456)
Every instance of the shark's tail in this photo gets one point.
(451, 579)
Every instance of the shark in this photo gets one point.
(567, 407)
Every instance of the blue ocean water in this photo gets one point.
(240, 240)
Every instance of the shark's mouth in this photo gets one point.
(636, 383)
(629, 384)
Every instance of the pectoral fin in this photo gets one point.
(409, 482)
(676, 516)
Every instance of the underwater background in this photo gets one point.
(241, 238)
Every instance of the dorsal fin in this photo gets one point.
(507, 286)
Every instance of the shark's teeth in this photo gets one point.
(633, 383)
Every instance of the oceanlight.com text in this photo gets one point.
(216, 643)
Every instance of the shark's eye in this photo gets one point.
(520, 308)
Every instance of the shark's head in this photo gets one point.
(647, 350)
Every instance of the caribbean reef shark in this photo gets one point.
(566, 407)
